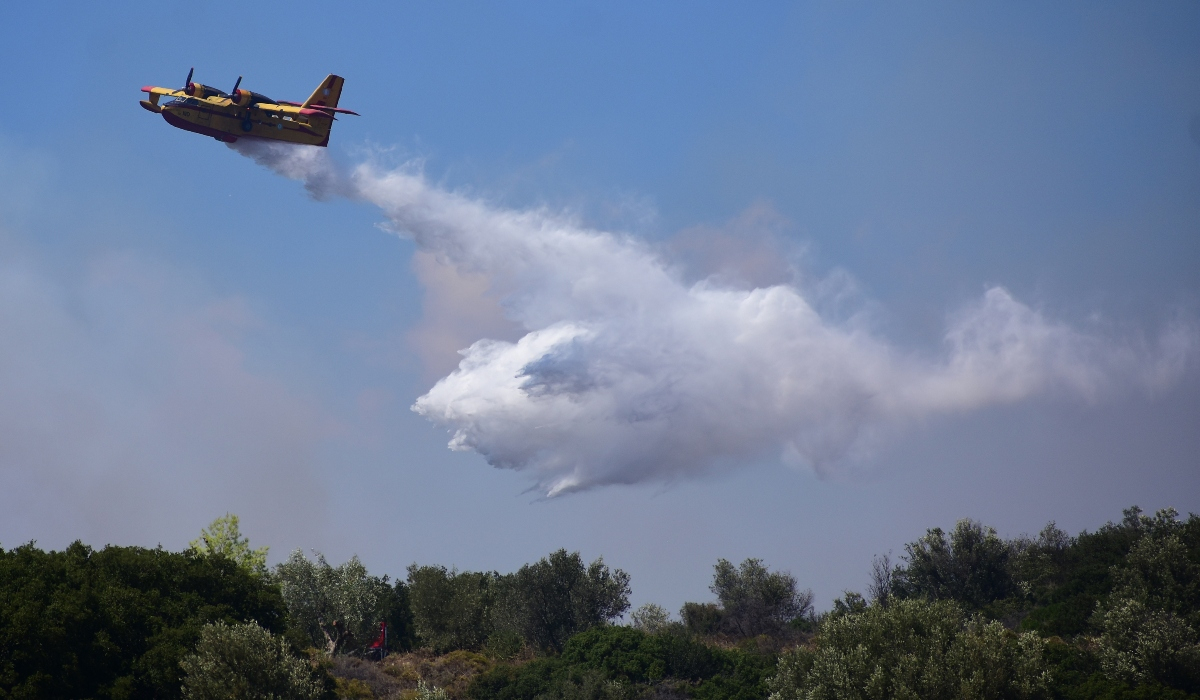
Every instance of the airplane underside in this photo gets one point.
(227, 127)
(181, 123)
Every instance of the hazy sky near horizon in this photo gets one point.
(804, 278)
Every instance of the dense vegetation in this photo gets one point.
(622, 662)
(245, 661)
(1107, 615)
(115, 623)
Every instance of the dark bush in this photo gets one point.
(970, 566)
(701, 618)
(548, 601)
(116, 622)
(637, 662)
(451, 609)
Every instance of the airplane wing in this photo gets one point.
(305, 111)
(287, 111)
(277, 109)
(339, 110)
(164, 91)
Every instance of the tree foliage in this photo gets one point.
(1107, 615)
(247, 662)
(613, 662)
(650, 618)
(223, 538)
(755, 600)
(701, 618)
(1063, 578)
(540, 605)
(883, 579)
(451, 609)
(1151, 623)
(970, 566)
(402, 633)
(913, 649)
(338, 608)
(115, 622)
(552, 599)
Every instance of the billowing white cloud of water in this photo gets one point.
(626, 373)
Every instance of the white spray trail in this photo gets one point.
(626, 374)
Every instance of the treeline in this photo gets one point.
(338, 609)
(1108, 614)
(1112, 614)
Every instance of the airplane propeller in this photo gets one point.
(188, 87)
(234, 92)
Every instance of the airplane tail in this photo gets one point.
(327, 93)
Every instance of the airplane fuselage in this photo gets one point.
(229, 116)
(227, 122)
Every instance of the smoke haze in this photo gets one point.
(126, 398)
(618, 371)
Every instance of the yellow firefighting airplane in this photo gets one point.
(225, 117)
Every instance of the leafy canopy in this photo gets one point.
(115, 622)
(552, 599)
(1150, 625)
(970, 566)
(617, 663)
(451, 609)
(338, 608)
(755, 600)
(249, 663)
(650, 618)
(223, 538)
(540, 605)
(912, 649)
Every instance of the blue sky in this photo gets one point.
(184, 332)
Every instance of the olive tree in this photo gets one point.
(451, 609)
(883, 574)
(701, 618)
(650, 618)
(912, 649)
(755, 600)
(970, 566)
(548, 601)
(338, 608)
(246, 662)
(1150, 625)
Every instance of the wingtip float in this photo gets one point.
(227, 116)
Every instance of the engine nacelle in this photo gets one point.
(245, 98)
(201, 91)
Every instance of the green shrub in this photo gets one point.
(650, 618)
(913, 649)
(1151, 623)
(701, 618)
(429, 692)
(619, 662)
(1076, 675)
(246, 662)
(115, 622)
(1068, 584)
